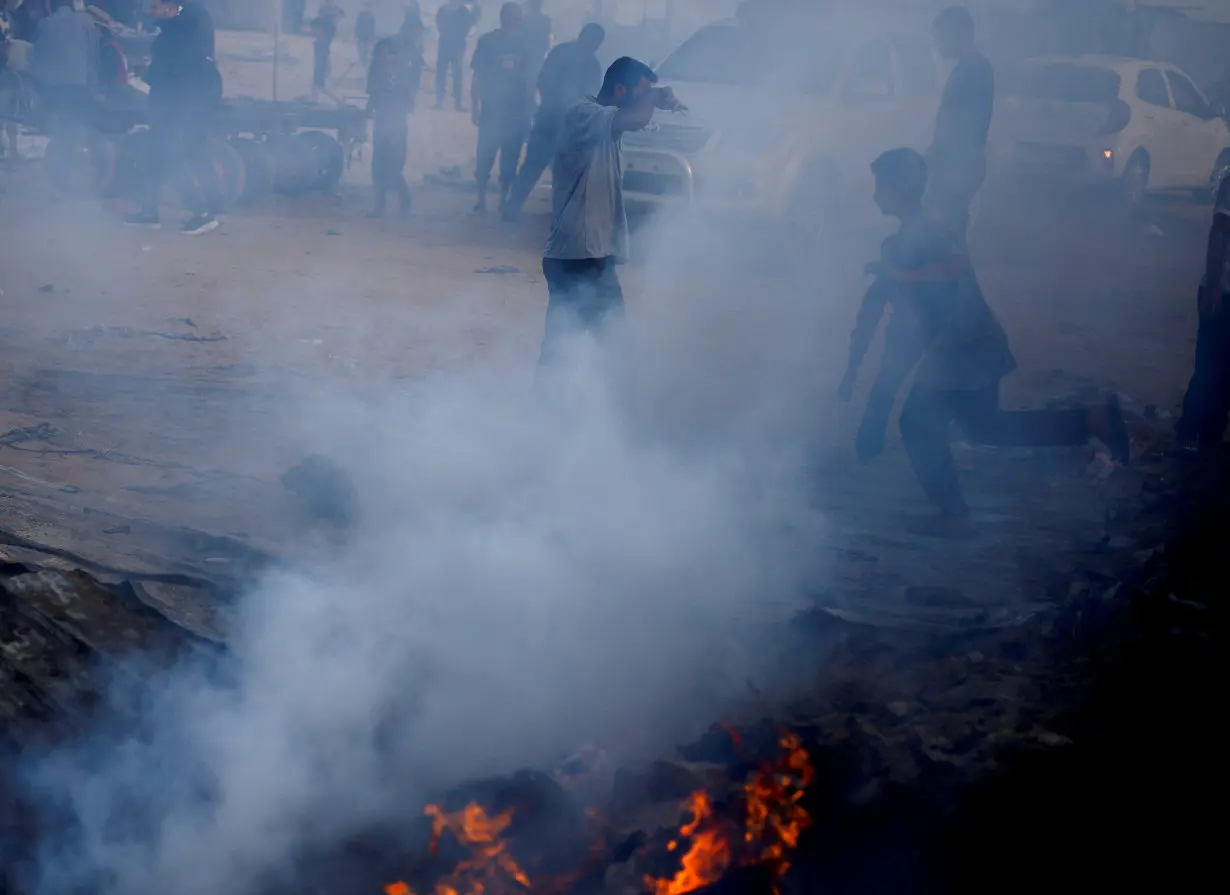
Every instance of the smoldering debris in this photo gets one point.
(325, 490)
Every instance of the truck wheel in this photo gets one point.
(330, 159)
(294, 165)
(229, 171)
(813, 205)
(257, 170)
(1134, 181)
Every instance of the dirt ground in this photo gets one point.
(304, 292)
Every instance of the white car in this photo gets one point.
(785, 129)
(1140, 125)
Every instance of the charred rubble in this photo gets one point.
(1012, 758)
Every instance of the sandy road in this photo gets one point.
(307, 295)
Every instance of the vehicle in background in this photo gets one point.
(781, 127)
(1137, 125)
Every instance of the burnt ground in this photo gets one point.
(1033, 706)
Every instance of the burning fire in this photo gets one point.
(773, 820)
(489, 861)
(771, 817)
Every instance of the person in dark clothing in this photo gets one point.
(570, 73)
(499, 103)
(537, 34)
(413, 17)
(365, 32)
(25, 18)
(185, 90)
(65, 69)
(957, 158)
(324, 31)
(1202, 424)
(410, 38)
(964, 352)
(453, 23)
(390, 98)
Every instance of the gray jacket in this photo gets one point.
(66, 50)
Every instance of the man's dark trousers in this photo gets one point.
(1207, 401)
(583, 295)
(179, 143)
(449, 59)
(500, 132)
(929, 412)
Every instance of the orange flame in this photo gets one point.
(774, 818)
(708, 858)
(489, 861)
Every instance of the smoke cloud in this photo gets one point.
(599, 562)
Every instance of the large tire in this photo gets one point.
(132, 164)
(88, 169)
(294, 165)
(229, 173)
(330, 159)
(1134, 181)
(258, 170)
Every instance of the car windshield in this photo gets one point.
(729, 54)
(1065, 82)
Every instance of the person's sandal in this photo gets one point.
(1118, 442)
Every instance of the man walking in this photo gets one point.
(957, 160)
(65, 70)
(185, 91)
(499, 102)
(589, 228)
(964, 354)
(570, 73)
(453, 23)
(1202, 425)
(537, 30)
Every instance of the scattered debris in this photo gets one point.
(325, 489)
(498, 269)
(47, 289)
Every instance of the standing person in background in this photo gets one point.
(957, 159)
(185, 90)
(589, 227)
(454, 20)
(413, 16)
(65, 70)
(410, 38)
(324, 30)
(570, 73)
(537, 31)
(1202, 425)
(390, 99)
(365, 32)
(499, 103)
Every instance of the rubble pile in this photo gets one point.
(914, 748)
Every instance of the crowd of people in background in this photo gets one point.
(553, 106)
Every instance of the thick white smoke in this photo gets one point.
(529, 574)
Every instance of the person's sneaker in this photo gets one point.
(198, 224)
(479, 208)
(375, 214)
(141, 219)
